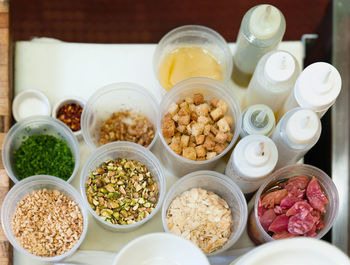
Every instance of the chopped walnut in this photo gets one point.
(202, 217)
(47, 223)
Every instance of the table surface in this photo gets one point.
(60, 69)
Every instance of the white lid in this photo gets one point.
(255, 156)
(295, 251)
(30, 103)
(265, 21)
(302, 126)
(279, 67)
(258, 119)
(318, 86)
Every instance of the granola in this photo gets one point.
(202, 217)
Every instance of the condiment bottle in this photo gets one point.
(317, 88)
(252, 160)
(261, 31)
(258, 119)
(273, 80)
(295, 134)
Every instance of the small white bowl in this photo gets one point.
(30, 102)
(160, 248)
(69, 100)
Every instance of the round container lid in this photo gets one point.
(318, 86)
(279, 67)
(302, 126)
(30, 103)
(300, 250)
(265, 21)
(258, 119)
(255, 156)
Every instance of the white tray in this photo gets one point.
(61, 69)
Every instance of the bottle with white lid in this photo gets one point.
(273, 80)
(295, 134)
(317, 88)
(262, 29)
(252, 160)
(258, 119)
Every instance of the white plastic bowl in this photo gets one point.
(21, 190)
(160, 249)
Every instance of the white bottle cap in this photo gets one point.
(258, 119)
(318, 86)
(265, 21)
(279, 67)
(255, 156)
(302, 126)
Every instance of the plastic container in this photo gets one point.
(126, 150)
(295, 134)
(273, 80)
(255, 229)
(113, 98)
(223, 187)
(251, 162)
(29, 103)
(22, 189)
(37, 125)
(195, 35)
(294, 251)
(258, 119)
(317, 88)
(158, 249)
(69, 100)
(261, 31)
(209, 88)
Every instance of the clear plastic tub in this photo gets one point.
(222, 186)
(126, 150)
(209, 88)
(37, 125)
(255, 229)
(195, 35)
(22, 189)
(112, 98)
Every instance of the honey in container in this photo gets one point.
(191, 51)
(188, 61)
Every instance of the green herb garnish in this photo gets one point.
(44, 155)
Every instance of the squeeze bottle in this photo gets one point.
(262, 29)
(295, 134)
(258, 119)
(317, 88)
(273, 80)
(252, 160)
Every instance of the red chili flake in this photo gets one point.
(70, 114)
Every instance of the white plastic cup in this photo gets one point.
(131, 151)
(209, 88)
(223, 187)
(113, 98)
(194, 35)
(37, 125)
(251, 162)
(20, 191)
(255, 230)
(294, 251)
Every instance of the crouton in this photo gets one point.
(190, 153)
(176, 148)
(184, 141)
(206, 130)
(168, 128)
(216, 114)
(229, 137)
(213, 130)
(210, 155)
(184, 120)
(200, 151)
(189, 100)
(202, 109)
(220, 137)
(181, 128)
(200, 139)
(198, 99)
(209, 142)
(197, 129)
(228, 119)
(173, 109)
(223, 125)
(222, 105)
(219, 148)
(214, 102)
(203, 119)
